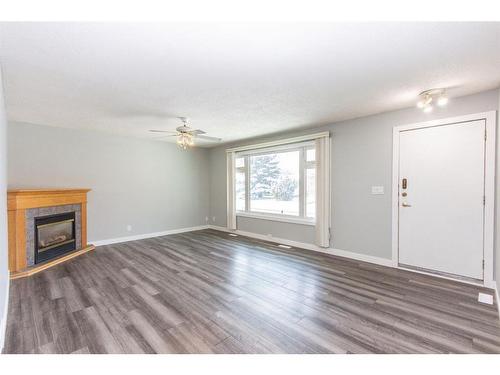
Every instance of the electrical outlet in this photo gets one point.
(129, 228)
(206, 219)
(213, 219)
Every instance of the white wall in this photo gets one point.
(361, 157)
(497, 202)
(4, 273)
(152, 186)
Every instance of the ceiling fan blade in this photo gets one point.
(207, 138)
(165, 136)
(197, 131)
(163, 131)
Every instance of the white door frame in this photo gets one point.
(489, 185)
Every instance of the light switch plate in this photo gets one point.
(485, 298)
(377, 190)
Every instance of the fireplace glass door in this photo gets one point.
(55, 235)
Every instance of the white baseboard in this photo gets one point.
(146, 235)
(307, 246)
(362, 257)
(3, 322)
(268, 238)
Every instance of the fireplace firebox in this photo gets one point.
(54, 236)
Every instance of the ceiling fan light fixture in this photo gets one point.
(185, 134)
(185, 140)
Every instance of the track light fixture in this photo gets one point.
(428, 97)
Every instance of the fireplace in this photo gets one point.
(34, 246)
(54, 236)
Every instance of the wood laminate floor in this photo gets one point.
(207, 292)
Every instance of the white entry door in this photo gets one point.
(441, 192)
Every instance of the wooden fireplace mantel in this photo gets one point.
(18, 201)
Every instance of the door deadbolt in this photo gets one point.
(405, 183)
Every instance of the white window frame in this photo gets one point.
(322, 142)
(302, 147)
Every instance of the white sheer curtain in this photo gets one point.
(231, 209)
(323, 192)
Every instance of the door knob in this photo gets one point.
(406, 204)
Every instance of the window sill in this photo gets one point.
(284, 219)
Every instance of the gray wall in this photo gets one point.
(361, 157)
(4, 275)
(153, 186)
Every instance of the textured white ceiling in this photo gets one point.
(235, 80)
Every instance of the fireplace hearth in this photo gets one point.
(54, 236)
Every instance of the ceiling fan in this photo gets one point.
(186, 135)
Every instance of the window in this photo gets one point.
(278, 183)
(283, 180)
